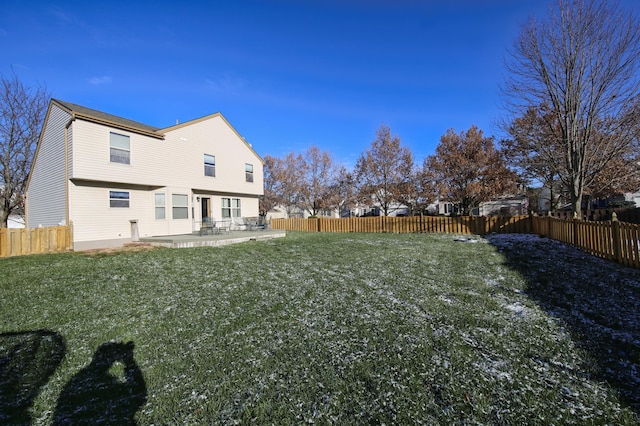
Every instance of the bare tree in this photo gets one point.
(319, 174)
(344, 188)
(583, 63)
(621, 175)
(22, 113)
(288, 173)
(534, 152)
(384, 170)
(271, 196)
(424, 190)
(467, 169)
(411, 193)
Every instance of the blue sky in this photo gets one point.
(287, 74)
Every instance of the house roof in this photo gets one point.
(89, 114)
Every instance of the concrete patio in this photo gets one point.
(212, 240)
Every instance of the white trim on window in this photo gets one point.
(209, 165)
(119, 148)
(231, 208)
(248, 172)
(160, 205)
(119, 199)
(180, 206)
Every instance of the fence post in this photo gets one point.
(479, 225)
(617, 240)
(575, 230)
(484, 227)
(3, 242)
(69, 243)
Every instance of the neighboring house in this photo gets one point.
(15, 221)
(282, 212)
(442, 208)
(375, 209)
(633, 197)
(118, 180)
(505, 206)
(628, 198)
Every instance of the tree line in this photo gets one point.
(466, 169)
(572, 103)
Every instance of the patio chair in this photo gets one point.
(208, 226)
(253, 223)
(239, 223)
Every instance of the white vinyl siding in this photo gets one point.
(91, 205)
(46, 194)
(182, 150)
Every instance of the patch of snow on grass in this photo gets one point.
(518, 309)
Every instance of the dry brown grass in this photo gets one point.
(129, 247)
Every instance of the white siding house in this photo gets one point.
(118, 180)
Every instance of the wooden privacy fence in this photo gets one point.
(21, 241)
(613, 240)
(479, 225)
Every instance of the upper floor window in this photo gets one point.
(119, 148)
(118, 199)
(180, 206)
(209, 165)
(160, 205)
(248, 172)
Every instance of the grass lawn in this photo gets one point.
(325, 329)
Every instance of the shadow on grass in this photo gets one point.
(27, 360)
(598, 301)
(110, 390)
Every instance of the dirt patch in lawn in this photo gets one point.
(129, 247)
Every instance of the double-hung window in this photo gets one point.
(119, 148)
(248, 172)
(235, 207)
(160, 205)
(226, 208)
(209, 165)
(119, 199)
(180, 206)
(231, 208)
